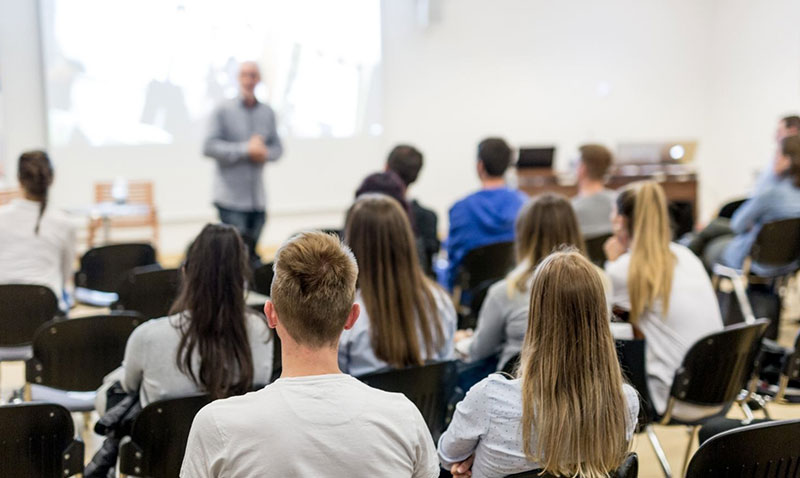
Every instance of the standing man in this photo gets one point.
(242, 137)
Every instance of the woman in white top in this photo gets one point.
(211, 344)
(37, 243)
(662, 284)
(406, 319)
(567, 411)
(543, 225)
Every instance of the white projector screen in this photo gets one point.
(151, 71)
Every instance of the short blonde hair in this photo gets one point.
(314, 287)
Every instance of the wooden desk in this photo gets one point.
(677, 187)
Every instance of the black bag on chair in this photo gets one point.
(122, 409)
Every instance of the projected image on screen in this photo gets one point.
(151, 71)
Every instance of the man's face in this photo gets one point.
(249, 77)
(782, 131)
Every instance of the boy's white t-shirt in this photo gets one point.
(323, 425)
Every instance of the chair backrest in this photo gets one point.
(158, 437)
(148, 290)
(628, 469)
(632, 360)
(430, 387)
(7, 195)
(728, 209)
(765, 450)
(38, 439)
(594, 249)
(139, 192)
(23, 309)
(486, 263)
(717, 366)
(262, 278)
(76, 354)
(104, 268)
(777, 243)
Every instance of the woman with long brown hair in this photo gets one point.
(544, 224)
(211, 342)
(567, 411)
(662, 284)
(406, 319)
(37, 242)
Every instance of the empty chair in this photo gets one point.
(37, 440)
(138, 192)
(628, 469)
(262, 278)
(74, 355)
(148, 290)
(104, 268)
(23, 309)
(766, 450)
(480, 268)
(430, 387)
(158, 438)
(594, 249)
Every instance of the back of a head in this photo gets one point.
(314, 288)
(386, 182)
(543, 225)
(596, 160)
(644, 207)
(35, 175)
(571, 380)
(790, 147)
(396, 295)
(211, 298)
(495, 154)
(405, 161)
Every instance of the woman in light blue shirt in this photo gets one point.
(567, 411)
(406, 319)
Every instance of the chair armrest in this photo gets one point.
(737, 279)
(727, 272)
(72, 458)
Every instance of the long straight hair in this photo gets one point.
(397, 295)
(35, 174)
(571, 380)
(544, 224)
(211, 302)
(643, 205)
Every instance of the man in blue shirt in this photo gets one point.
(486, 216)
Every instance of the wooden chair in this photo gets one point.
(7, 195)
(139, 192)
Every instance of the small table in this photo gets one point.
(106, 211)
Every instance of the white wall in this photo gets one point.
(536, 72)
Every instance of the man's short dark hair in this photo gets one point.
(405, 161)
(596, 159)
(792, 121)
(495, 154)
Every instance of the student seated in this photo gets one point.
(211, 343)
(729, 242)
(406, 161)
(487, 216)
(567, 410)
(770, 176)
(314, 420)
(594, 202)
(543, 225)
(662, 284)
(37, 243)
(406, 318)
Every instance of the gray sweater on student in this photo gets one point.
(502, 322)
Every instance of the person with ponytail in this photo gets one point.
(406, 319)
(662, 284)
(37, 242)
(544, 224)
(567, 410)
(211, 343)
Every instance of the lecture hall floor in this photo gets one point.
(673, 439)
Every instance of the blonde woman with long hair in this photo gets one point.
(662, 284)
(544, 224)
(568, 410)
(406, 319)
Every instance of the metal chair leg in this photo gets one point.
(656, 444)
(692, 435)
